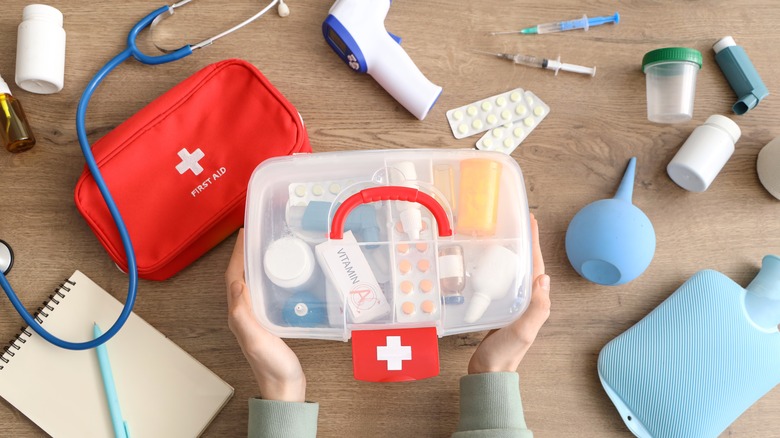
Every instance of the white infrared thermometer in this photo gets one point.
(355, 30)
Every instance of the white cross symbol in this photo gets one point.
(190, 161)
(394, 353)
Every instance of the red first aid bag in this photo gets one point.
(178, 169)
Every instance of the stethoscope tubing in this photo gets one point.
(132, 268)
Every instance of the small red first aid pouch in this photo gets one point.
(178, 169)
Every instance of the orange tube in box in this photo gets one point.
(478, 200)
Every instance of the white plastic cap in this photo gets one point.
(4, 87)
(289, 262)
(411, 219)
(479, 303)
(723, 43)
(40, 50)
(42, 12)
(407, 169)
(725, 124)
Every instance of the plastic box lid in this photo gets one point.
(395, 266)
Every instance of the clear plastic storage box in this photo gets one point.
(420, 243)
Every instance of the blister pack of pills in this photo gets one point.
(417, 282)
(302, 193)
(508, 117)
(507, 137)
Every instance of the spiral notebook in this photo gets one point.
(163, 391)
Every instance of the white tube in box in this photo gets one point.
(346, 267)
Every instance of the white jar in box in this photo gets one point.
(279, 268)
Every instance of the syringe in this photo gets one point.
(550, 64)
(559, 26)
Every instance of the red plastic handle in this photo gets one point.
(389, 193)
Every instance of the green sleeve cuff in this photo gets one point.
(490, 406)
(278, 419)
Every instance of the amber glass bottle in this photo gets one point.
(15, 133)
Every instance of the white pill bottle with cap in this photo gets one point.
(40, 50)
(289, 264)
(704, 153)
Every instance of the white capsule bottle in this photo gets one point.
(40, 50)
(704, 153)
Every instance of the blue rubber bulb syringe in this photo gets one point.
(611, 241)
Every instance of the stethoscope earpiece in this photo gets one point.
(6, 257)
(283, 9)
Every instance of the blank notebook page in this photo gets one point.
(163, 391)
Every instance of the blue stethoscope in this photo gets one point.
(132, 269)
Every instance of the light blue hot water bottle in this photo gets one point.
(700, 359)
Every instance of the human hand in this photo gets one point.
(275, 366)
(502, 350)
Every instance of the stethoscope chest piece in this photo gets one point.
(6, 257)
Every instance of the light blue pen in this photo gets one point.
(120, 425)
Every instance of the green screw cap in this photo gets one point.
(682, 54)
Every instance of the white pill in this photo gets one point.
(538, 111)
(300, 190)
(501, 101)
(506, 115)
(457, 115)
(472, 110)
(317, 190)
(486, 106)
(518, 132)
(476, 124)
(487, 142)
(515, 96)
(529, 99)
(508, 143)
(498, 132)
(463, 128)
(492, 119)
(520, 110)
(529, 121)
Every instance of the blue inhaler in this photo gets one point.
(741, 74)
(355, 30)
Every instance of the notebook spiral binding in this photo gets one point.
(42, 312)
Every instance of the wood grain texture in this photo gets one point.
(576, 156)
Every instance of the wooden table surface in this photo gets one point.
(577, 155)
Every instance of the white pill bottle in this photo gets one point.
(40, 50)
(704, 153)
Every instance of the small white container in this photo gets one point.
(40, 50)
(704, 153)
(671, 83)
(289, 263)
